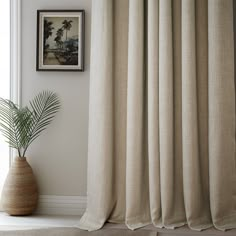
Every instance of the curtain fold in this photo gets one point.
(162, 114)
(221, 113)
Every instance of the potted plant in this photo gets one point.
(20, 127)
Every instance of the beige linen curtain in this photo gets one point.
(162, 114)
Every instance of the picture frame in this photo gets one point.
(60, 40)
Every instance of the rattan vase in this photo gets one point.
(20, 192)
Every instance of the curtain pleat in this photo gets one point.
(162, 114)
(101, 118)
(221, 113)
(201, 34)
(153, 111)
(178, 210)
(137, 200)
(166, 110)
(197, 211)
(120, 59)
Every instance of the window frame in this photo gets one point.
(15, 58)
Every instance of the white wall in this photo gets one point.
(59, 156)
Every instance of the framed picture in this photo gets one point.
(60, 40)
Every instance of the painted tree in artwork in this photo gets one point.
(67, 26)
(59, 35)
(48, 28)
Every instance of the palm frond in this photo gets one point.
(8, 112)
(44, 108)
(21, 126)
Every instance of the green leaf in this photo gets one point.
(21, 126)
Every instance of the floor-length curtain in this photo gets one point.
(162, 114)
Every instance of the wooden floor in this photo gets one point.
(43, 222)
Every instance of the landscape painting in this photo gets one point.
(60, 40)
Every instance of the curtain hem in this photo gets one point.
(226, 222)
(92, 225)
(89, 223)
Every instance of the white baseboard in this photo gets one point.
(61, 205)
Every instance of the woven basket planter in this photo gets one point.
(20, 192)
